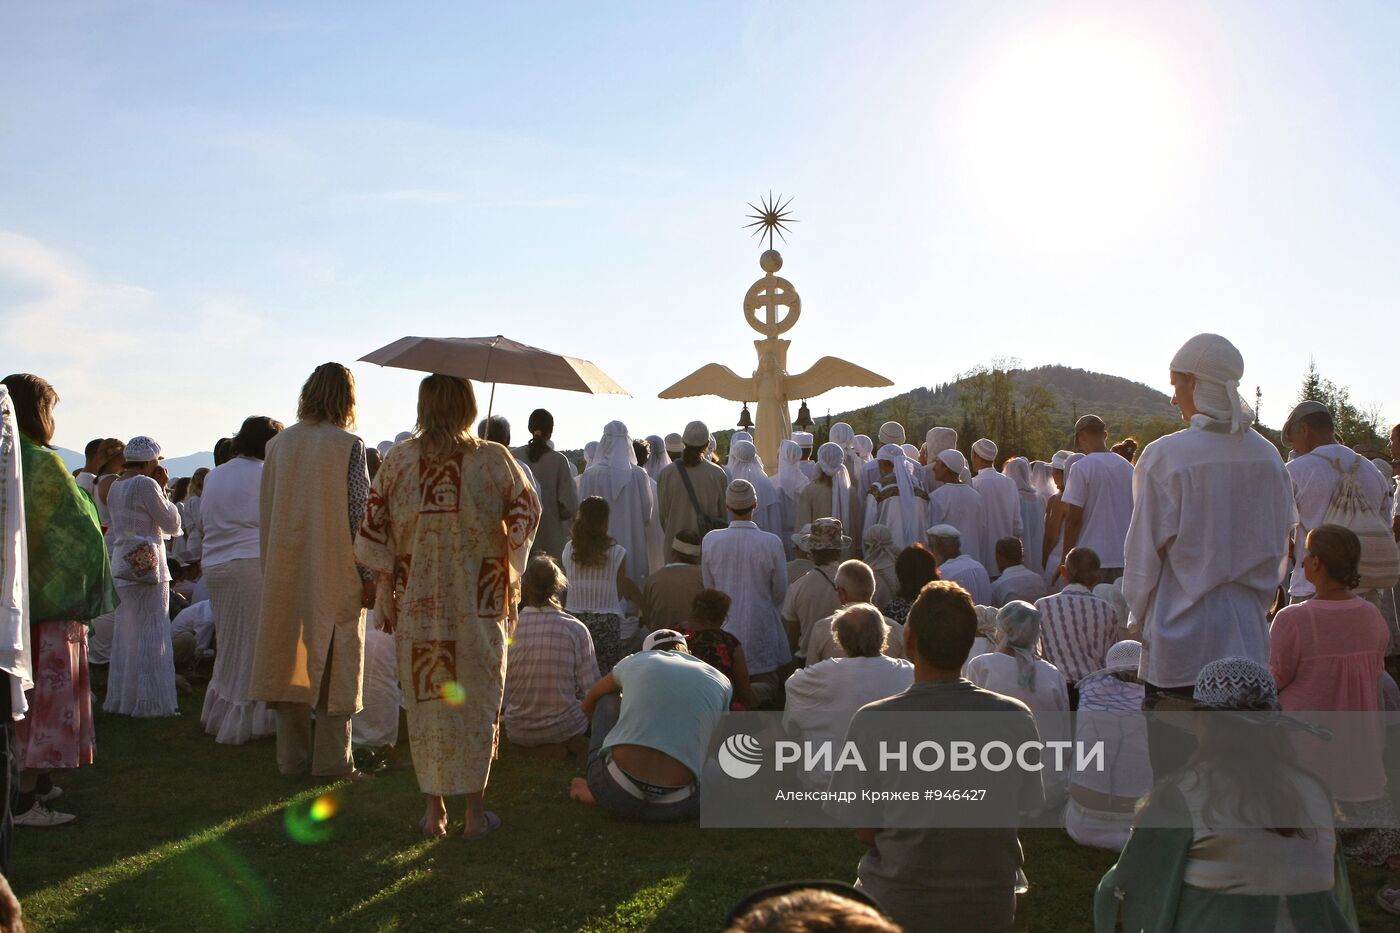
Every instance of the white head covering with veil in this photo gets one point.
(657, 457)
(614, 458)
(863, 448)
(768, 514)
(790, 479)
(831, 461)
(912, 525)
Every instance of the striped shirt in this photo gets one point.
(592, 588)
(551, 668)
(1076, 629)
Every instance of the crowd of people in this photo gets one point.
(614, 610)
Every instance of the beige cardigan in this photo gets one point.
(311, 590)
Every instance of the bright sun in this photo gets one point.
(1073, 139)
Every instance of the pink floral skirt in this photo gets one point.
(58, 732)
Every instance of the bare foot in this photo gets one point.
(434, 821)
(578, 790)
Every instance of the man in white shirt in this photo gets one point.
(1212, 508)
(750, 566)
(1311, 434)
(956, 503)
(855, 584)
(946, 543)
(1001, 501)
(1098, 498)
(822, 698)
(1017, 581)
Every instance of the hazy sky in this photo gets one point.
(201, 201)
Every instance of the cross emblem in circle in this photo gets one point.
(770, 293)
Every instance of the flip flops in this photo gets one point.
(1389, 900)
(493, 823)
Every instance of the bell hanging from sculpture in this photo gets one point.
(745, 420)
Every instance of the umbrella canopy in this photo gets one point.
(495, 359)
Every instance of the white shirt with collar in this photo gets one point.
(1018, 582)
(1206, 549)
(750, 566)
(968, 573)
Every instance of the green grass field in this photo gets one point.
(178, 832)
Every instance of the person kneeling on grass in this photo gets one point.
(649, 744)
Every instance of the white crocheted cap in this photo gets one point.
(1123, 656)
(1235, 683)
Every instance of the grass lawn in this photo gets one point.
(178, 832)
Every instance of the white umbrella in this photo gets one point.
(495, 359)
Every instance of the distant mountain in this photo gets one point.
(176, 466)
(71, 458)
(186, 465)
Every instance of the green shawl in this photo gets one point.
(1144, 892)
(70, 572)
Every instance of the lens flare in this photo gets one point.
(309, 822)
(453, 693)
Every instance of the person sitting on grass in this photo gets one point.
(649, 744)
(708, 641)
(552, 666)
(1242, 837)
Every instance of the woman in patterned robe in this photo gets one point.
(447, 533)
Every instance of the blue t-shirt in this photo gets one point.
(670, 702)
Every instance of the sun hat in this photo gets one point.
(825, 535)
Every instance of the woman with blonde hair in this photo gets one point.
(311, 630)
(447, 534)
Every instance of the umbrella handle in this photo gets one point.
(490, 407)
(490, 351)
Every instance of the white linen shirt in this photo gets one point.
(1102, 485)
(229, 513)
(1314, 480)
(965, 571)
(1018, 582)
(1001, 512)
(1205, 550)
(822, 698)
(961, 506)
(750, 566)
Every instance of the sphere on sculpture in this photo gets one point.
(771, 261)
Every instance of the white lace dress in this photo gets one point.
(141, 679)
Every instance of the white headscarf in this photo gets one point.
(831, 460)
(1019, 469)
(1042, 479)
(879, 549)
(657, 457)
(863, 447)
(790, 479)
(937, 440)
(736, 438)
(1070, 461)
(843, 435)
(1218, 368)
(894, 454)
(748, 466)
(910, 451)
(590, 451)
(616, 456)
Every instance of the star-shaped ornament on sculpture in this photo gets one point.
(771, 215)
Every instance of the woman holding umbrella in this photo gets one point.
(447, 533)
